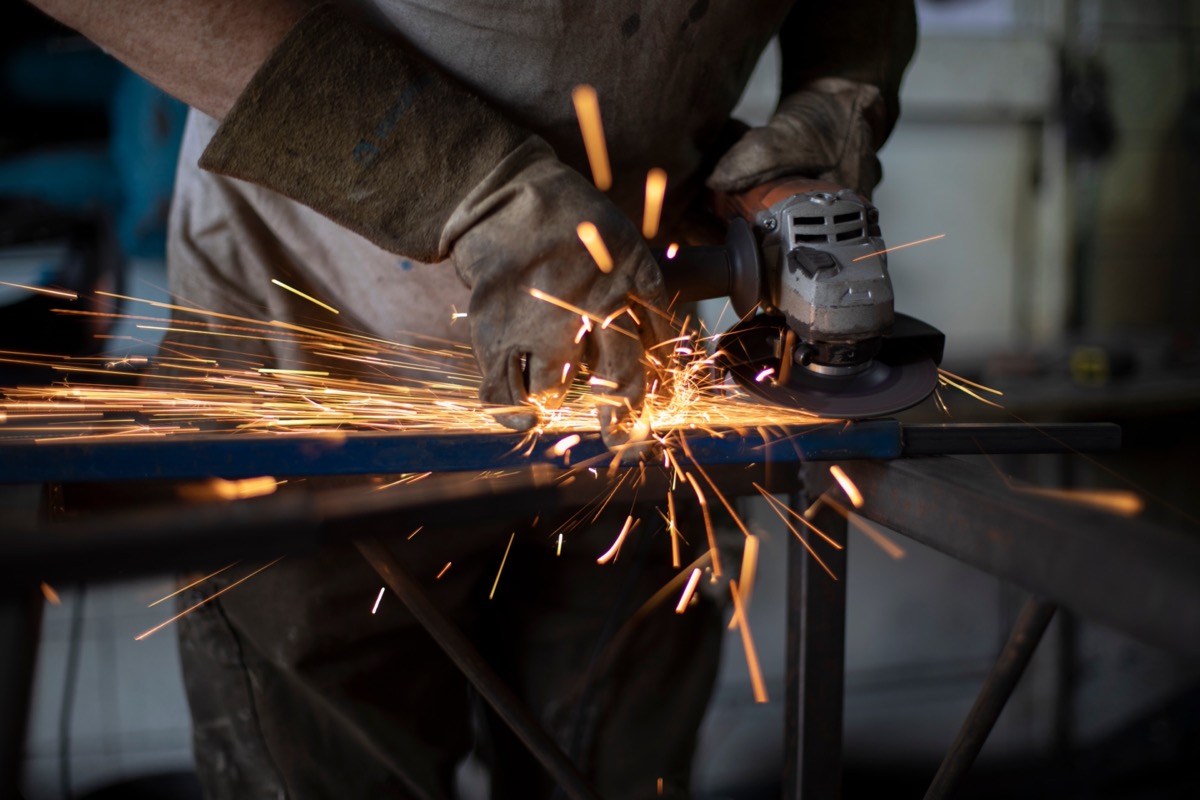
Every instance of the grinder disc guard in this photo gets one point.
(902, 374)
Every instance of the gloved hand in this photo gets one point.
(517, 231)
(829, 130)
(347, 121)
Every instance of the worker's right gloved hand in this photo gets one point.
(347, 121)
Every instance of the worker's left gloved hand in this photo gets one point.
(829, 130)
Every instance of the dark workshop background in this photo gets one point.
(1056, 144)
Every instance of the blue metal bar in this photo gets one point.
(236, 455)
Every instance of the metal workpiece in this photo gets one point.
(1119, 571)
(816, 651)
(1027, 632)
(164, 538)
(241, 455)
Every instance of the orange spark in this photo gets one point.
(596, 380)
(221, 489)
(307, 297)
(856, 498)
(749, 571)
(756, 678)
(672, 250)
(671, 526)
(587, 110)
(378, 600)
(42, 290)
(496, 582)
(611, 553)
(899, 247)
(193, 583)
(51, 596)
(443, 572)
(688, 591)
(205, 601)
(656, 187)
(1114, 501)
(708, 528)
(558, 550)
(766, 373)
(595, 245)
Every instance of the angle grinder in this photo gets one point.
(805, 267)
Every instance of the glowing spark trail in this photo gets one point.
(852, 492)
(496, 582)
(656, 187)
(900, 247)
(196, 582)
(443, 572)
(42, 290)
(587, 110)
(307, 297)
(756, 678)
(611, 553)
(378, 600)
(688, 591)
(205, 601)
(595, 246)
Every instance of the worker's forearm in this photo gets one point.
(201, 51)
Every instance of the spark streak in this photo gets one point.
(307, 297)
(587, 110)
(196, 582)
(899, 247)
(656, 188)
(852, 492)
(756, 678)
(611, 553)
(686, 598)
(205, 601)
(443, 572)
(378, 600)
(42, 290)
(496, 582)
(595, 246)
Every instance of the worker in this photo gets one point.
(350, 150)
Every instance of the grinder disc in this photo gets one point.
(900, 376)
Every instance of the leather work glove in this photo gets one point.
(829, 130)
(347, 121)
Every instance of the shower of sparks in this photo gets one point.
(503, 560)
(686, 598)
(193, 584)
(42, 290)
(590, 236)
(656, 188)
(739, 612)
(852, 492)
(443, 572)
(900, 247)
(307, 297)
(378, 600)
(209, 599)
(587, 110)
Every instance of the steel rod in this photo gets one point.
(1035, 616)
(1133, 576)
(815, 673)
(243, 455)
(478, 672)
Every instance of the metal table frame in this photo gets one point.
(985, 525)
